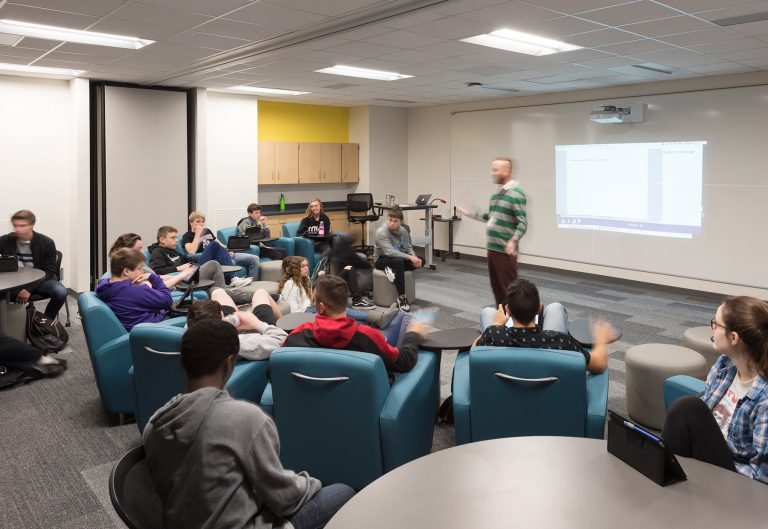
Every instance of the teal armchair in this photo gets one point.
(304, 247)
(681, 386)
(286, 243)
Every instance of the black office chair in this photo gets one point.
(60, 274)
(133, 494)
(360, 210)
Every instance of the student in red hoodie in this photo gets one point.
(333, 329)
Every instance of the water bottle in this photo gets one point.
(282, 203)
(321, 229)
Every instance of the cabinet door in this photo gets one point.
(310, 171)
(350, 162)
(286, 162)
(267, 162)
(330, 162)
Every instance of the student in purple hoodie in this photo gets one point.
(133, 295)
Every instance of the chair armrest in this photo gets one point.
(267, 404)
(304, 247)
(597, 404)
(179, 321)
(287, 243)
(681, 386)
(407, 418)
(460, 390)
(112, 363)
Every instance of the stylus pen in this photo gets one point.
(649, 435)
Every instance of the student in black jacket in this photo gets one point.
(34, 250)
(314, 218)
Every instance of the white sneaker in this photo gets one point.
(390, 274)
(238, 282)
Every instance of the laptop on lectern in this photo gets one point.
(422, 200)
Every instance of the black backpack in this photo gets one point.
(44, 333)
(10, 376)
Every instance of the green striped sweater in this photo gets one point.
(506, 218)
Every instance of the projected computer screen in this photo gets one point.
(642, 188)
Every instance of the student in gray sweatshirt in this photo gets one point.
(215, 461)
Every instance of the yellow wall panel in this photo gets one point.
(296, 122)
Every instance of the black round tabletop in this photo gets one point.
(290, 321)
(231, 268)
(581, 332)
(266, 239)
(202, 284)
(460, 338)
(23, 276)
(316, 236)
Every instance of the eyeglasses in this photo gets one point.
(714, 325)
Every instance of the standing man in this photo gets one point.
(34, 250)
(506, 223)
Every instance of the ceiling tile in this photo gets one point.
(29, 53)
(363, 33)
(729, 45)
(693, 6)
(174, 48)
(513, 15)
(326, 7)
(734, 10)
(134, 29)
(569, 6)
(97, 8)
(79, 57)
(668, 26)
(10, 59)
(266, 14)
(409, 56)
(633, 12)
(561, 26)
(760, 64)
(635, 46)
(412, 19)
(324, 43)
(404, 39)
(720, 68)
(160, 16)
(48, 17)
(609, 62)
(580, 55)
(362, 49)
(39, 44)
(453, 28)
(743, 55)
(601, 37)
(457, 7)
(206, 40)
(753, 29)
(104, 51)
(202, 7)
(705, 36)
(239, 30)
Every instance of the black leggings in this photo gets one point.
(690, 430)
(398, 265)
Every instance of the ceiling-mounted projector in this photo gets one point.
(632, 113)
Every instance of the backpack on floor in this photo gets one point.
(11, 376)
(44, 333)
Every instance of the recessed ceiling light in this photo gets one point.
(271, 91)
(23, 68)
(352, 71)
(27, 29)
(517, 41)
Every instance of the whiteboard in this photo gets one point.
(732, 247)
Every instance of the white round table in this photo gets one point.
(549, 482)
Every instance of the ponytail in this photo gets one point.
(748, 317)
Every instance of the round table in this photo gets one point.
(10, 281)
(290, 321)
(320, 237)
(460, 338)
(231, 269)
(548, 482)
(580, 330)
(200, 284)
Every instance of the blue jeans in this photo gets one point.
(555, 318)
(216, 252)
(322, 506)
(50, 288)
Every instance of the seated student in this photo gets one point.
(333, 329)
(393, 253)
(34, 250)
(199, 238)
(165, 259)
(256, 219)
(295, 289)
(727, 425)
(314, 217)
(215, 461)
(133, 295)
(522, 307)
(255, 329)
(344, 257)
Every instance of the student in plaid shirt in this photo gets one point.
(727, 426)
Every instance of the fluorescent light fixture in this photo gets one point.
(27, 29)
(352, 71)
(517, 41)
(272, 91)
(23, 68)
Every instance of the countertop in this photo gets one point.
(301, 207)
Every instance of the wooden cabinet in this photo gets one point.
(350, 162)
(319, 163)
(278, 162)
(287, 162)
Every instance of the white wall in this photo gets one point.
(230, 180)
(429, 152)
(45, 164)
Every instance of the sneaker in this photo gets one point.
(238, 282)
(363, 304)
(390, 274)
(402, 303)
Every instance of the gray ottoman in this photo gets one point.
(385, 293)
(648, 366)
(700, 340)
(271, 271)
